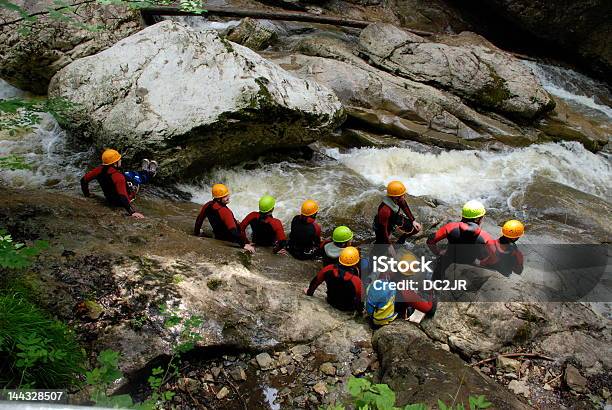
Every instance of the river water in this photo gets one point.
(337, 179)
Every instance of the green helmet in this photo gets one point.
(473, 209)
(266, 203)
(342, 234)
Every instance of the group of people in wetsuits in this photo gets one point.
(341, 260)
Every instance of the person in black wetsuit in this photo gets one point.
(221, 218)
(344, 286)
(305, 235)
(266, 230)
(393, 213)
(119, 188)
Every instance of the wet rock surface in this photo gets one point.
(486, 76)
(30, 60)
(261, 336)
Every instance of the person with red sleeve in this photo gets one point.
(305, 235)
(344, 285)
(113, 182)
(221, 218)
(394, 212)
(507, 258)
(267, 230)
(467, 242)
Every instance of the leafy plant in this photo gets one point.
(35, 350)
(13, 162)
(108, 371)
(368, 396)
(23, 114)
(15, 255)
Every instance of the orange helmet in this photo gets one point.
(309, 207)
(110, 156)
(396, 188)
(349, 256)
(513, 229)
(219, 191)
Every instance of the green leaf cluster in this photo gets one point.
(36, 351)
(15, 255)
(368, 396)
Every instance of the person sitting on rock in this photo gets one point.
(343, 282)
(380, 302)
(221, 218)
(507, 258)
(467, 241)
(394, 212)
(341, 238)
(305, 235)
(266, 230)
(119, 188)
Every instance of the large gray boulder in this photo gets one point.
(395, 105)
(421, 372)
(28, 61)
(484, 76)
(191, 99)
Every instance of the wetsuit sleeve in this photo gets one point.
(317, 237)
(489, 253)
(121, 189)
(317, 280)
(440, 234)
(281, 238)
(404, 206)
(200, 219)
(358, 289)
(245, 224)
(518, 261)
(384, 216)
(227, 217)
(87, 178)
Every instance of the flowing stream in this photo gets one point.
(339, 179)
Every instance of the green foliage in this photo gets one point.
(15, 255)
(368, 396)
(13, 162)
(23, 114)
(108, 371)
(36, 351)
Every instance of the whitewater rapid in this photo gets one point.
(575, 88)
(352, 177)
(44, 148)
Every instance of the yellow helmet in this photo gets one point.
(513, 229)
(395, 188)
(309, 207)
(219, 191)
(110, 156)
(408, 257)
(349, 256)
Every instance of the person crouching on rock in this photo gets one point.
(119, 188)
(344, 285)
(394, 212)
(305, 236)
(341, 238)
(467, 241)
(507, 258)
(266, 230)
(221, 218)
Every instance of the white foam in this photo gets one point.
(572, 86)
(453, 176)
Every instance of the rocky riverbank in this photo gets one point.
(107, 274)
